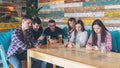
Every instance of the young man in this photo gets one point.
(53, 31)
(22, 39)
(37, 31)
(37, 28)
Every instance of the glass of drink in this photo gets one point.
(103, 48)
(60, 38)
(48, 41)
(77, 45)
(65, 41)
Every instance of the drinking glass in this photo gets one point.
(60, 38)
(103, 48)
(65, 41)
(48, 41)
(77, 45)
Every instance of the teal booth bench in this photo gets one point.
(5, 39)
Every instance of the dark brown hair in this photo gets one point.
(82, 29)
(70, 19)
(103, 32)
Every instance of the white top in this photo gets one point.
(80, 38)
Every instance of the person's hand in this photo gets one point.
(108, 48)
(95, 48)
(70, 45)
(89, 47)
(41, 37)
(38, 46)
(53, 41)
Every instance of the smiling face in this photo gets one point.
(97, 28)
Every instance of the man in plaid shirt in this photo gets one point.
(22, 39)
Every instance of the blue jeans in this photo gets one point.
(15, 61)
(43, 64)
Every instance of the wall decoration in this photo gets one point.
(87, 10)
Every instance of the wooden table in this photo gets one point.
(74, 58)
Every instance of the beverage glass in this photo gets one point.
(65, 41)
(103, 48)
(60, 38)
(77, 45)
(48, 41)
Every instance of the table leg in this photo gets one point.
(28, 61)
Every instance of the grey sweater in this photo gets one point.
(80, 38)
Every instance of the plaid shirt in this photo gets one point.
(21, 41)
(108, 41)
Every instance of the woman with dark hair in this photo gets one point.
(99, 36)
(67, 30)
(79, 35)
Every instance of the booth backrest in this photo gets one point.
(5, 39)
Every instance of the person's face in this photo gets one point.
(26, 24)
(36, 26)
(78, 27)
(52, 26)
(97, 28)
(71, 23)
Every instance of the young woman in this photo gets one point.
(79, 35)
(67, 30)
(99, 36)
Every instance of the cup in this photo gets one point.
(103, 48)
(65, 41)
(60, 38)
(48, 41)
(48, 37)
(77, 45)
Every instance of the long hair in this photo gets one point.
(82, 29)
(103, 32)
(73, 20)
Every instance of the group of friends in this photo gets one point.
(30, 34)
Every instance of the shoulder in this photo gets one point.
(58, 28)
(84, 32)
(65, 27)
(108, 33)
(17, 30)
(46, 29)
(40, 29)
